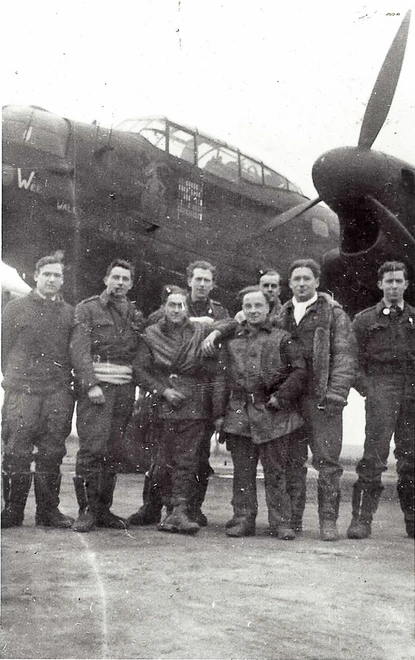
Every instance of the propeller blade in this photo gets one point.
(383, 92)
(393, 227)
(288, 215)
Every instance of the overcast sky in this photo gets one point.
(283, 81)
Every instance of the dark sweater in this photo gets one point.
(35, 344)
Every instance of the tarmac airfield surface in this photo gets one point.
(141, 593)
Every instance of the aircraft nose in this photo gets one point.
(343, 175)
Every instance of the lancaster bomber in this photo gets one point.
(151, 190)
(162, 195)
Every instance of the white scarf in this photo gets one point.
(300, 308)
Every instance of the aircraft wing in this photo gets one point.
(11, 282)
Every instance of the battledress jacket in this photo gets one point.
(329, 346)
(102, 335)
(254, 365)
(385, 347)
(35, 344)
(168, 359)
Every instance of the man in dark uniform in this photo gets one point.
(269, 284)
(385, 336)
(260, 377)
(39, 398)
(324, 331)
(170, 366)
(201, 309)
(103, 346)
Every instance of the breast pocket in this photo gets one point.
(379, 339)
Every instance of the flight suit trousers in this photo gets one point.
(245, 456)
(177, 459)
(323, 433)
(390, 408)
(41, 420)
(101, 428)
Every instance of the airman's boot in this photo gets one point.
(243, 525)
(16, 488)
(105, 517)
(87, 494)
(328, 510)
(179, 521)
(47, 489)
(297, 490)
(405, 488)
(150, 512)
(365, 502)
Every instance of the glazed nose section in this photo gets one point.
(346, 174)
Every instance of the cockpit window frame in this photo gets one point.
(236, 174)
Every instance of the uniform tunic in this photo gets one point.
(105, 333)
(39, 399)
(386, 377)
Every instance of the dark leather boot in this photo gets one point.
(150, 512)
(243, 527)
(297, 491)
(406, 494)
(178, 521)
(365, 501)
(16, 487)
(105, 518)
(328, 510)
(87, 494)
(47, 489)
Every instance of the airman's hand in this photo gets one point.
(174, 397)
(240, 316)
(96, 395)
(208, 345)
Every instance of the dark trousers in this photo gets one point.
(323, 434)
(101, 428)
(41, 420)
(390, 408)
(245, 456)
(177, 459)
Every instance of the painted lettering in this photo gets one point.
(23, 183)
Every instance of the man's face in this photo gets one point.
(118, 282)
(49, 280)
(303, 284)
(270, 286)
(255, 307)
(176, 308)
(393, 284)
(201, 284)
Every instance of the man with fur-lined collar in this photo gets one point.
(325, 333)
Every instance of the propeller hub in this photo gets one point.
(342, 176)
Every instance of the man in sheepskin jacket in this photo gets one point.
(325, 334)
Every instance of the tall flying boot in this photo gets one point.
(179, 521)
(87, 493)
(279, 506)
(297, 491)
(16, 487)
(328, 511)
(150, 511)
(47, 489)
(406, 496)
(105, 517)
(195, 512)
(365, 502)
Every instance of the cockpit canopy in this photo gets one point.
(207, 153)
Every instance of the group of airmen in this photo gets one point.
(272, 382)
